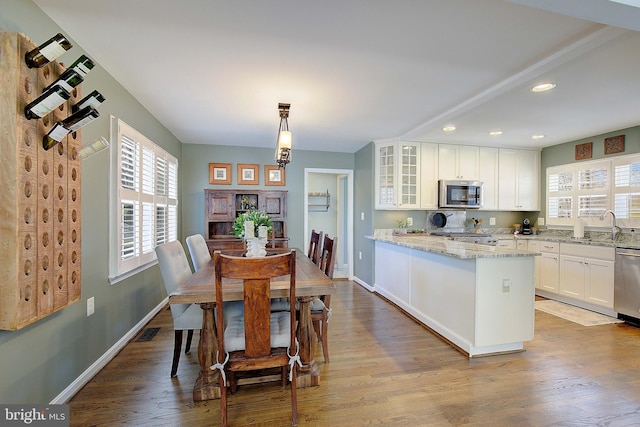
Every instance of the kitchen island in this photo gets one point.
(479, 298)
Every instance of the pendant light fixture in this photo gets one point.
(283, 143)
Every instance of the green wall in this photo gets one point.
(363, 203)
(41, 360)
(195, 178)
(565, 153)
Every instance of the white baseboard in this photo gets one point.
(363, 284)
(92, 370)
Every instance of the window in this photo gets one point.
(145, 211)
(586, 189)
(627, 190)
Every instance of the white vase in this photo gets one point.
(256, 247)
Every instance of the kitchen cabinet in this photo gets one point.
(547, 265)
(586, 273)
(518, 180)
(397, 175)
(458, 162)
(458, 297)
(223, 206)
(488, 174)
(428, 176)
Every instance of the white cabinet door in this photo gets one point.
(385, 176)
(599, 282)
(397, 175)
(409, 175)
(519, 180)
(429, 176)
(458, 161)
(572, 276)
(549, 272)
(488, 173)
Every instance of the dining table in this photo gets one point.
(200, 289)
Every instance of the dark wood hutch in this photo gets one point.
(223, 206)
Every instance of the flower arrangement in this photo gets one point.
(258, 217)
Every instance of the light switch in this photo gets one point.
(361, 216)
(492, 221)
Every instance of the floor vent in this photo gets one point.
(147, 334)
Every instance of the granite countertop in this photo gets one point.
(595, 238)
(445, 246)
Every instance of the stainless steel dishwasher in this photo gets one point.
(626, 298)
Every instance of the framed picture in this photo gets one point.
(247, 174)
(584, 151)
(273, 175)
(614, 144)
(220, 173)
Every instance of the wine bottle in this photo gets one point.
(48, 101)
(54, 136)
(47, 51)
(68, 125)
(82, 65)
(94, 99)
(68, 80)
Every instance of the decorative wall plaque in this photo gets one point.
(584, 151)
(614, 144)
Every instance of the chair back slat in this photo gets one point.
(315, 244)
(257, 316)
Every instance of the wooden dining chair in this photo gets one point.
(175, 270)
(315, 243)
(259, 339)
(320, 307)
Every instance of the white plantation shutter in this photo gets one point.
(593, 192)
(560, 201)
(626, 190)
(586, 189)
(147, 193)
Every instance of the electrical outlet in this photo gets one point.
(540, 221)
(409, 221)
(91, 306)
(360, 255)
(492, 221)
(506, 285)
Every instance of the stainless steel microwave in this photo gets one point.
(460, 194)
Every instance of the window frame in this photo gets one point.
(143, 197)
(609, 191)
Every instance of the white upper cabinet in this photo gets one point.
(458, 162)
(489, 176)
(429, 176)
(397, 175)
(519, 180)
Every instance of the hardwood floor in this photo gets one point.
(388, 370)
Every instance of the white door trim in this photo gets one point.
(349, 213)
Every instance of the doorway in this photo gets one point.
(335, 217)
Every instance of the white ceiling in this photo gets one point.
(354, 71)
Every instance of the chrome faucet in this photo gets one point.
(615, 230)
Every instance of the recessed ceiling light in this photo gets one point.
(537, 136)
(543, 87)
(495, 132)
(449, 128)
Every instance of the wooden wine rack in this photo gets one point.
(40, 252)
